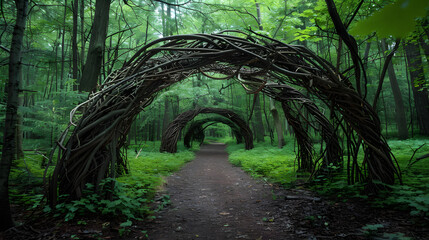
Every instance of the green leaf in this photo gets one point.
(372, 227)
(307, 13)
(73, 209)
(47, 209)
(397, 19)
(128, 223)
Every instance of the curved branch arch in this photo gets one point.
(196, 129)
(171, 134)
(93, 150)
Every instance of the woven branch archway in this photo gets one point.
(93, 150)
(196, 129)
(171, 134)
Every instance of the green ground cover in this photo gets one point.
(148, 166)
(264, 160)
(130, 198)
(277, 166)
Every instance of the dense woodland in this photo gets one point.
(53, 54)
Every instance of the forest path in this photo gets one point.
(212, 199)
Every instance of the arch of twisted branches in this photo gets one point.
(171, 134)
(196, 129)
(260, 64)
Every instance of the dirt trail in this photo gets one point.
(211, 199)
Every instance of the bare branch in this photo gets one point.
(383, 72)
(4, 48)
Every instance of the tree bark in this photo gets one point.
(94, 58)
(425, 47)
(401, 120)
(166, 119)
(19, 121)
(267, 121)
(424, 37)
(425, 26)
(364, 82)
(348, 39)
(259, 125)
(417, 79)
(82, 34)
(277, 124)
(11, 113)
(259, 131)
(75, 8)
(63, 46)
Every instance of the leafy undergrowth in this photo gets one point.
(130, 196)
(277, 166)
(413, 195)
(266, 161)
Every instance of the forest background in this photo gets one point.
(69, 47)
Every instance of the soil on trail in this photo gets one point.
(211, 199)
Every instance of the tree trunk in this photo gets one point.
(75, 9)
(420, 93)
(425, 46)
(169, 20)
(424, 37)
(259, 125)
(259, 130)
(365, 67)
(82, 34)
(63, 46)
(401, 120)
(11, 113)
(166, 119)
(94, 58)
(19, 120)
(277, 124)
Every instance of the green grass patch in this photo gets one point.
(148, 168)
(265, 161)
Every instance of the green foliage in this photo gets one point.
(406, 197)
(396, 19)
(338, 188)
(44, 121)
(128, 196)
(373, 231)
(165, 201)
(31, 168)
(413, 196)
(155, 163)
(264, 161)
(403, 150)
(395, 236)
(128, 202)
